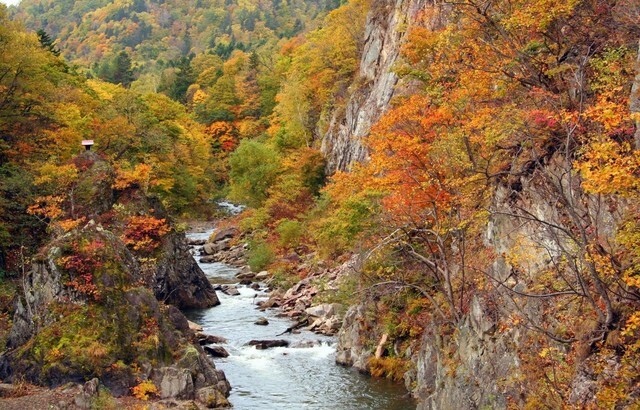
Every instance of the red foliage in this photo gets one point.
(81, 265)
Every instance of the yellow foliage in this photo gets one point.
(70, 224)
(609, 167)
(47, 207)
(392, 368)
(57, 175)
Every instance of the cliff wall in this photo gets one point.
(385, 31)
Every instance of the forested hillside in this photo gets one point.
(479, 161)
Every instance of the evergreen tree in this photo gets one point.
(122, 71)
(47, 42)
(184, 78)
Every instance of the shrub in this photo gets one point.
(143, 233)
(144, 390)
(290, 232)
(392, 368)
(260, 256)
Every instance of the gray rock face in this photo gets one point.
(43, 285)
(325, 318)
(342, 145)
(193, 372)
(175, 383)
(482, 359)
(350, 350)
(179, 280)
(114, 294)
(87, 394)
(211, 398)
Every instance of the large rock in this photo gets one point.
(212, 398)
(350, 350)
(325, 318)
(205, 339)
(267, 344)
(325, 310)
(230, 290)
(224, 233)
(175, 383)
(480, 356)
(216, 351)
(178, 278)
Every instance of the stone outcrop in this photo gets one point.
(325, 318)
(385, 32)
(93, 305)
(178, 278)
(476, 365)
(224, 246)
(351, 350)
(482, 359)
(466, 370)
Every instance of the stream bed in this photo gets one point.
(301, 376)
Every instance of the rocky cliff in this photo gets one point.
(385, 31)
(488, 359)
(545, 324)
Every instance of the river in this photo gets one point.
(302, 376)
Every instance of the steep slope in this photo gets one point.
(386, 29)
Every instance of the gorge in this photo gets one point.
(448, 191)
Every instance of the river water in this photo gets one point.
(301, 376)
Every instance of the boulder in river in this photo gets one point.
(224, 234)
(261, 322)
(267, 344)
(230, 290)
(214, 248)
(305, 344)
(208, 259)
(196, 242)
(205, 339)
(216, 351)
(245, 275)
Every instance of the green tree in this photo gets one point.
(254, 168)
(122, 70)
(185, 76)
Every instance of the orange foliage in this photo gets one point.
(143, 233)
(138, 176)
(224, 135)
